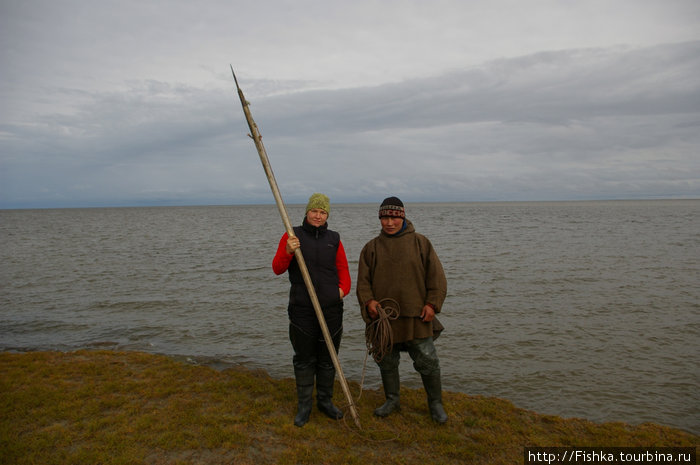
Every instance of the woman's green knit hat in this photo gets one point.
(318, 200)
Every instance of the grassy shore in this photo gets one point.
(102, 407)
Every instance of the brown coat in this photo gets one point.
(403, 267)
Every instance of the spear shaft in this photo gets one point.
(257, 138)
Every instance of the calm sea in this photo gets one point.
(578, 309)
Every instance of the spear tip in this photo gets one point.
(234, 76)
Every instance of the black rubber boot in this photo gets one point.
(325, 378)
(433, 389)
(392, 384)
(305, 391)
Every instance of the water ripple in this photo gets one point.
(587, 309)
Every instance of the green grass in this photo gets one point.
(101, 407)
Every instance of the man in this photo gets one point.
(401, 264)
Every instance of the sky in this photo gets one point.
(131, 103)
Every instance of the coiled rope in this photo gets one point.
(379, 340)
(378, 335)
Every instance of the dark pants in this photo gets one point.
(313, 364)
(422, 352)
(310, 349)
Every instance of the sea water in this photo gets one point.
(577, 309)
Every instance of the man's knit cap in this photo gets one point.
(392, 206)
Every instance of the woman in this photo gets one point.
(325, 259)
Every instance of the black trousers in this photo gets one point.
(310, 349)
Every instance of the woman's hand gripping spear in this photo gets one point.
(257, 138)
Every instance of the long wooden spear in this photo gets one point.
(257, 138)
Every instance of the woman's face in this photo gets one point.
(391, 224)
(316, 217)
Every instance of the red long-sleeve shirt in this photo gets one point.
(282, 260)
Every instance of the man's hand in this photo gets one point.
(428, 314)
(372, 309)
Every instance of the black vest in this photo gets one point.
(319, 247)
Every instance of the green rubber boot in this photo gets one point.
(433, 389)
(325, 378)
(392, 384)
(305, 391)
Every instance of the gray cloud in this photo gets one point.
(116, 118)
(584, 123)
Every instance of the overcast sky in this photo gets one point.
(132, 102)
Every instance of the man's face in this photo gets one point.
(391, 224)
